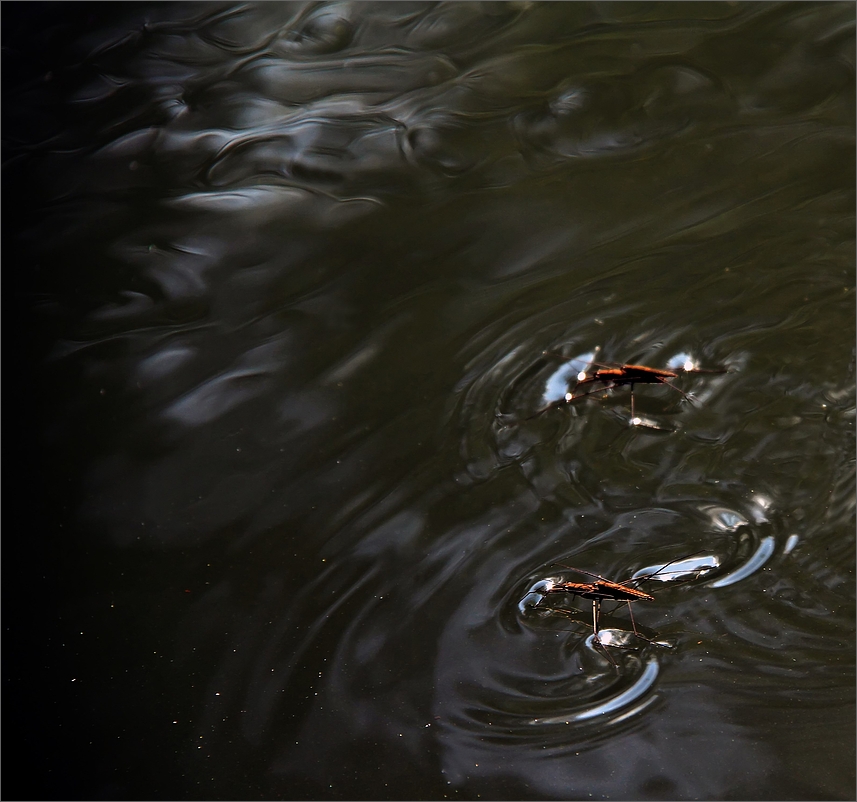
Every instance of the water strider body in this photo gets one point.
(601, 589)
(613, 375)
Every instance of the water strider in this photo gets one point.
(602, 589)
(619, 374)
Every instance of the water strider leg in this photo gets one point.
(668, 383)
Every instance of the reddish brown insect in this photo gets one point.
(620, 375)
(598, 591)
(602, 589)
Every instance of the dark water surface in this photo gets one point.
(283, 284)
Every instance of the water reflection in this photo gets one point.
(301, 271)
(762, 554)
(617, 703)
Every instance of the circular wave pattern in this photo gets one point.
(309, 275)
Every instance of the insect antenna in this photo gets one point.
(579, 570)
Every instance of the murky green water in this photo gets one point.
(288, 285)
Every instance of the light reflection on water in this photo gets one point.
(306, 273)
(625, 698)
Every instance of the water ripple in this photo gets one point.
(309, 273)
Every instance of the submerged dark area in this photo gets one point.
(284, 287)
